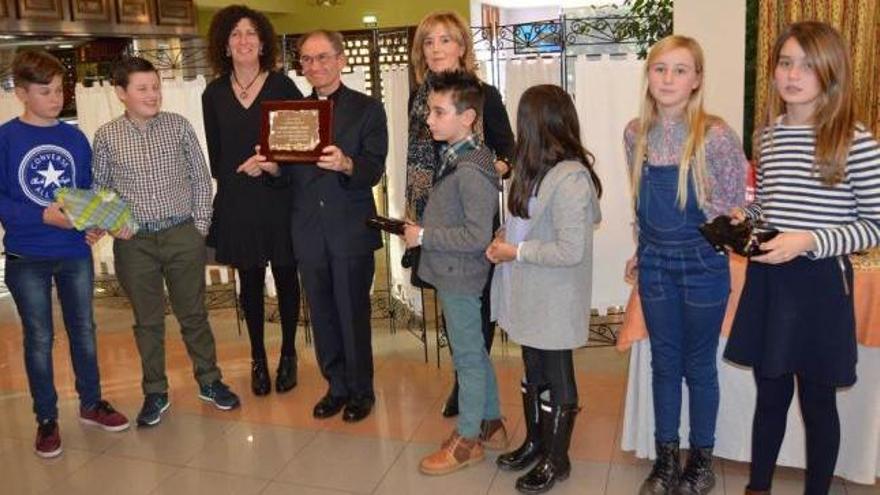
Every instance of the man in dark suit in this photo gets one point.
(331, 241)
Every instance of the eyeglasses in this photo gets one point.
(322, 59)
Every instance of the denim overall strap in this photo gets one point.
(661, 221)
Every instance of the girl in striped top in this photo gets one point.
(819, 184)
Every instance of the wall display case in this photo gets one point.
(133, 12)
(40, 9)
(90, 10)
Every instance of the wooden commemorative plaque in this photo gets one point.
(296, 130)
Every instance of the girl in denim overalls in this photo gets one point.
(687, 167)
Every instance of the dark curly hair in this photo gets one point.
(224, 22)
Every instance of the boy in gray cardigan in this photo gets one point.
(457, 228)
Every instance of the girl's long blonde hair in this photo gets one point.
(458, 30)
(835, 117)
(693, 156)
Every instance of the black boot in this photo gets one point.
(286, 377)
(554, 465)
(698, 477)
(666, 473)
(450, 408)
(260, 383)
(530, 450)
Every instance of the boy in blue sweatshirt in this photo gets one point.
(38, 155)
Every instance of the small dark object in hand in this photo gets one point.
(390, 225)
(744, 238)
(410, 257)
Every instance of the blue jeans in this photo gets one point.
(30, 282)
(477, 388)
(684, 294)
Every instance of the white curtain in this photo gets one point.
(185, 98)
(606, 98)
(10, 107)
(356, 80)
(95, 106)
(520, 75)
(395, 81)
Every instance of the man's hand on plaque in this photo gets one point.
(334, 159)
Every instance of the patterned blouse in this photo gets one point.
(725, 160)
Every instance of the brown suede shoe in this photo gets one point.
(493, 434)
(456, 452)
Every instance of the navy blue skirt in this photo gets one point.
(797, 317)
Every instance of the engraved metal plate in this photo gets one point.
(296, 131)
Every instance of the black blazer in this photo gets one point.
(330, 209)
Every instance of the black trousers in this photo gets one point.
(338, 294)
(554, 371)
(251, 287)
(821, 426)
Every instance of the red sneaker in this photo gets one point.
(48, 442)
(103, 416)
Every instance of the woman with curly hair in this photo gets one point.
(251, 222)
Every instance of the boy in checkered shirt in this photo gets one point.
(153, 160)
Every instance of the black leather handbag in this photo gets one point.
(744, 238)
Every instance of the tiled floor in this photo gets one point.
(272, 445)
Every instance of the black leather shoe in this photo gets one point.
(450, 408)
(357, 409)
(665, 475)
(328, 406)
(286, 378)
(697, 477)
(260, 383)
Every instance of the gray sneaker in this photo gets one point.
(219, 394)
(151, 412)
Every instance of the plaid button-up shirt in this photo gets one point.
(158, 169)
(450, 152)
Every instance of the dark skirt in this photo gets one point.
(251, 223)
(797, 317)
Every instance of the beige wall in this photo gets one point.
(302, 16)
(720, 27)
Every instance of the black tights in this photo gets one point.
(821, 426)
(252, 283)
(554, 370)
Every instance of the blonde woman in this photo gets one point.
(687, 167)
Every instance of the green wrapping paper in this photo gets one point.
(95, 208)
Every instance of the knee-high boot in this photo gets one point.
(553, 465)
(530, 450)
